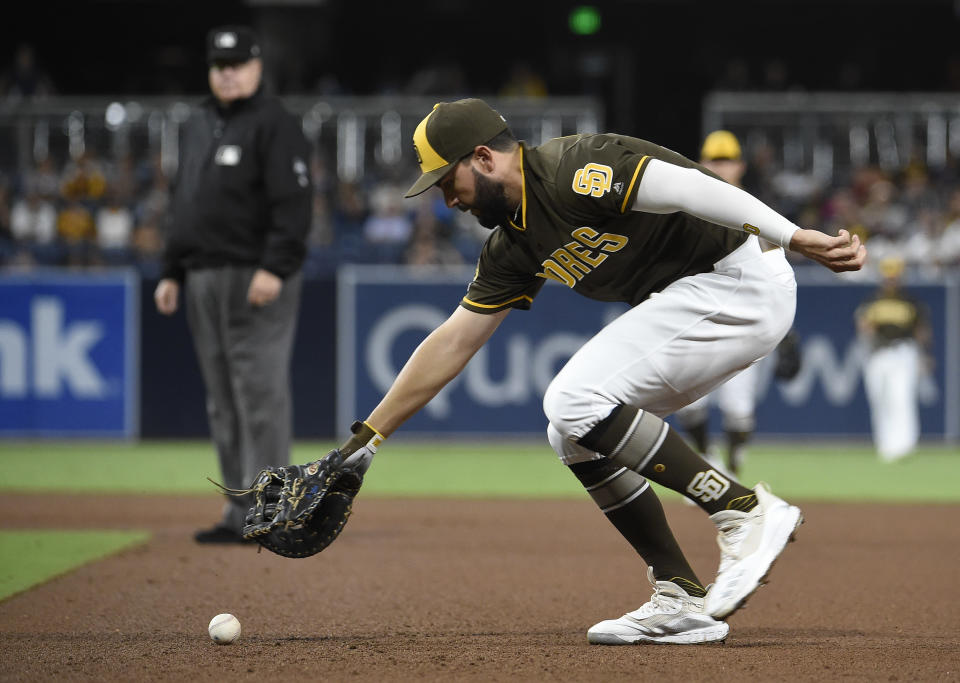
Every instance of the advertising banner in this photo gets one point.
(384, 313)
(68, 354)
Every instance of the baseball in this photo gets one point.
(224, 629)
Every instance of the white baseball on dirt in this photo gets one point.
(224, 629)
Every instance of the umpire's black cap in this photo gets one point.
(232, 45)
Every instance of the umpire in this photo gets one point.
(240, 214)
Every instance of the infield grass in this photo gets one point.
(798, 472)
(822, 472)
(30, 557)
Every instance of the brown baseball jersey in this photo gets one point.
(575, 225)
(893, 315)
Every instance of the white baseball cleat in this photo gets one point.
(750, 543)
(671, 616)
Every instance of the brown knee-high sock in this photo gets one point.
(735, 445)
(701, 438)
(642, 442)
(634, 509)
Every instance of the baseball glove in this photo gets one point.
(301, 509)
(789, 357)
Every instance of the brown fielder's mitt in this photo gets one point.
(789, 357)
(300, 509)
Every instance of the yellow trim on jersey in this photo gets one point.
(523, 199)
(633, 180)
(505, 303)
(523, 192)
(429, 159)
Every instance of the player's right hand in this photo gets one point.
(166, 296)
(841, 253)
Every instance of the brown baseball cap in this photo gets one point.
(447, 134)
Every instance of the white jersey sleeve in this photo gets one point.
(667, 188)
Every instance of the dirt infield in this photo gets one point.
(478, 590)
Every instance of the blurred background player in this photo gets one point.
(241, 211)
(736, 398)
(896, 329)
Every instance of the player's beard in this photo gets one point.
(491, 202)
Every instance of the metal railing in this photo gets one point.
(361, 134)
(829, 133)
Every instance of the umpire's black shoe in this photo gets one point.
(219, 534)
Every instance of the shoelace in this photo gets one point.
(730, 539)
(659, 602)
(257, 487)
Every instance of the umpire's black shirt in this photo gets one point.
(242, 194)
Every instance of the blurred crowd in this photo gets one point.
(912, 212)
(370, 222)
(83, 213)
(94, 212)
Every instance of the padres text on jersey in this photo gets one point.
(575, 226)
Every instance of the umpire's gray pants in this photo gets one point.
(244, 355)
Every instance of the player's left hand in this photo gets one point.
(841, 253)
(301, 509)
(264, 288)
(361, 459)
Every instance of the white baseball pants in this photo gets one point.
(736, 398)
(675, 347)
(891, 377)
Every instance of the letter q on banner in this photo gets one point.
(381, 344)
